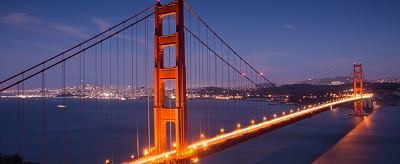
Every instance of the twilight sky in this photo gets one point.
(287, 40)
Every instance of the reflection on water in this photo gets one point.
(375, 140)
(97, 130)
(330, 137)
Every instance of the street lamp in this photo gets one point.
(222, 130)
(238, 126)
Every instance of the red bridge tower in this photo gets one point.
(358, 88)
(163, 114)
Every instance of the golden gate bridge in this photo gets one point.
(204, 97)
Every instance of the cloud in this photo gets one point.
(25, 22)
(20, 20)
(102, 24)
(73, 30)
(288, 27)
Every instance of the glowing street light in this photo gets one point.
(238, 126)
(202, 136)
(265, 118)
(107, 161)
(132, 156)
(222, 130)
(195, 160)
(274, 115)
(252, 122)
(146, 152)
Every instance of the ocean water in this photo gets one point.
(97, 130)
(330, 137)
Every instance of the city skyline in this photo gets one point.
(287, 41)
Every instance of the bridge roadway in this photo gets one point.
(223, 141)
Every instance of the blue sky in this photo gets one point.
(289, 40)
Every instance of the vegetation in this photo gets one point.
(13, 159)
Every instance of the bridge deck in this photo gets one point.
(221, 142)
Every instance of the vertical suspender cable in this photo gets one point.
(43, 116)
(102, 98)
(200, 73)
(246, 87)
(80, 106)
(84, 107)
(111, 110)
(215, 82)
(23, 117)
(124, 90)
(63, 112)
(195, 83)
(229, 92)
(201, 85)
(118, 141)
(132, 91)
(222, 86)
(190, 67)
(19, 124)
(136, 85)
(147, 84)
(97, 98)
(242, 112)
(208, 84)
(234, 87)
(252, 109)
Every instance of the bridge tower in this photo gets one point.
(162, 114)
(358, 88)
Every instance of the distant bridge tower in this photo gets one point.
(162, 114)
(358, 88)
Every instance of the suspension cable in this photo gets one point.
(78, 45)
(216, 54)
(75, 54)
(192, 11)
